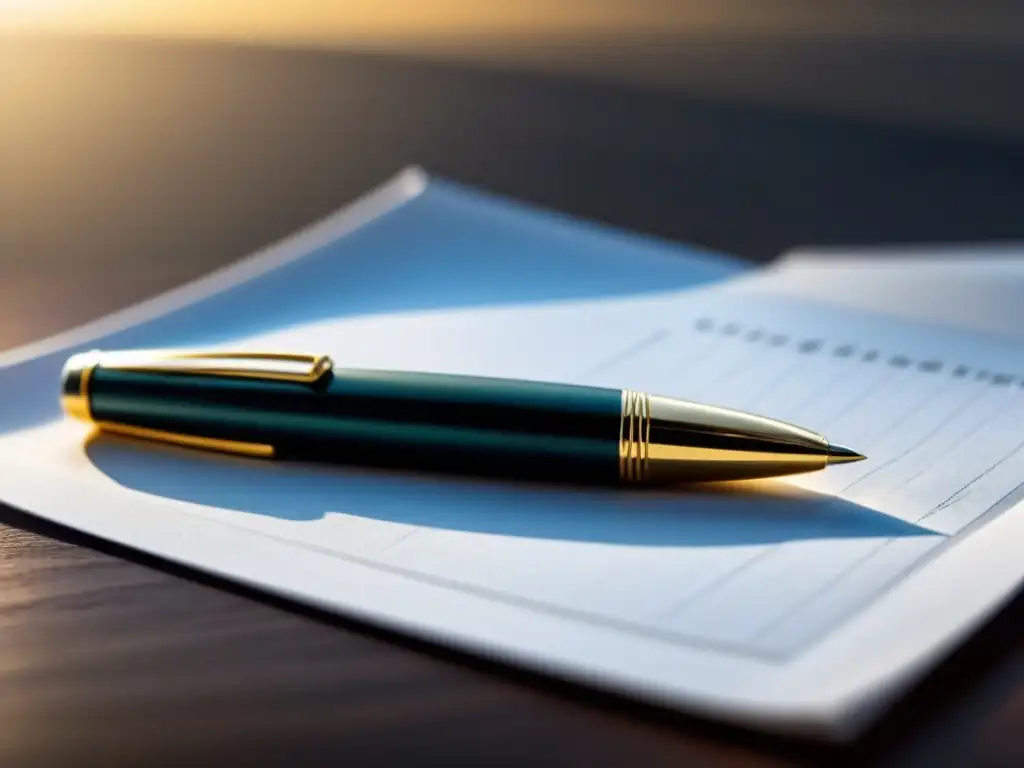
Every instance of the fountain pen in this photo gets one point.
(293, 406)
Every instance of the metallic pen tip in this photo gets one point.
(838, 454)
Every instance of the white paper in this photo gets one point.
(796, 605)
(975, 286)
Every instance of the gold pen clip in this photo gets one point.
(268, 366)
(273, 366)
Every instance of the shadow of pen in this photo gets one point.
(724, 514)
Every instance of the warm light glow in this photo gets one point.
(334, 22)
(337, 21)
(35, 7)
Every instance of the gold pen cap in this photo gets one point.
(268, 366)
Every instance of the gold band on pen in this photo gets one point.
(634, 436)
(74, 396)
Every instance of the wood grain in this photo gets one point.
(131, 167)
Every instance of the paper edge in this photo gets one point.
(404, 186)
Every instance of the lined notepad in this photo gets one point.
(939, 418)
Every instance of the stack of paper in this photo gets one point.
(802, 605)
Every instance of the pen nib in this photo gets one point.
(838, 454)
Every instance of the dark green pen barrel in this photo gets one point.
(418, 420)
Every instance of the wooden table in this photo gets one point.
(128, 168)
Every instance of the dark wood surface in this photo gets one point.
(128, 168)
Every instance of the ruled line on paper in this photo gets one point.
(919, 396)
